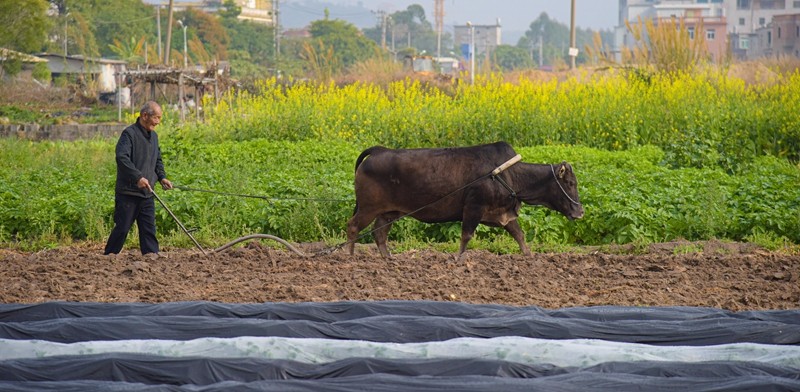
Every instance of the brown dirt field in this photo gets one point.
(715, 274)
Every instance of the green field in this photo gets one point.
(688, 156)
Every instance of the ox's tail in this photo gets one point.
(366, 153)
(360, 159)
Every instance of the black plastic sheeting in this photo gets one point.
(389, 321)
(408, 329)
(141, 372)
(350, 310)
(395, 322)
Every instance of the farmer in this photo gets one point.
(139, 166)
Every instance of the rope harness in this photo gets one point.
(561, 187)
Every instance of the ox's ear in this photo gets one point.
(562, 169)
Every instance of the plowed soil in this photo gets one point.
(714, 274)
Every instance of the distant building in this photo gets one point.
(258, 11)
(28, 62)
(749, 25)
(487, 38)
(100, 70)
(748, 30)
(710, 14)
(780, 37)
(297, 33)
(747, 16)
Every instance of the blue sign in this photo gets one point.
(465, 51)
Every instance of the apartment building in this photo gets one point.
(755, 26)
(781, 37)
(486, 38)
(747, 28)
(699, 16)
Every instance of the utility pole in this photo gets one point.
(158, 29)
(66, 16)
(541, 51)
(573, 51)
(471, 53)
(169, 34)
(277, 33)
(382, 15)
(185, 51)
(438, 16)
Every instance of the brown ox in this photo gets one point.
(455, 184)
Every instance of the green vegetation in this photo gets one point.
(58, 192)
(691, 157)
(703, 120)
(34, 114)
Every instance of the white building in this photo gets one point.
(102, 71)
(486, 38)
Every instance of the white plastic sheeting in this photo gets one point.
(574, 353)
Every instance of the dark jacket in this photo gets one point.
(138, 155)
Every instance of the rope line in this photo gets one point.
(493, 174)
(188, 188)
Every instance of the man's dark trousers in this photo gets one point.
(128, 209)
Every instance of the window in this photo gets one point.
(743, 4)
(744, 43)
(690, 30)
(767, 4)
(762, 22)
(711, 34)
(796, 4)
(741, 21)
(779, 32)
(769, 38)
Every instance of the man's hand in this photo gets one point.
(143, 184)
(166, 184)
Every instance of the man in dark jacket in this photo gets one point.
(138, 166)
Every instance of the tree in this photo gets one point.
(208, 29)
(23, 24)
(411, 30)
(255, 39)
(230, 10)
(41, 72)
(90, 27)
(120, 20)
(554, 38)
(509, 58)
(347, 44)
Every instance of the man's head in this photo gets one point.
(150, 115)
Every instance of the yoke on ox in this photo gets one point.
(437, 185)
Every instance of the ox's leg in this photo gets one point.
(469, 223)
(354, 226)
(383, 223)
(516, 232)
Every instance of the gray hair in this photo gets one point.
(149, 108)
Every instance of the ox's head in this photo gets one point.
(563, 193)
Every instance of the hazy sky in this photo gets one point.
(515, 15)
